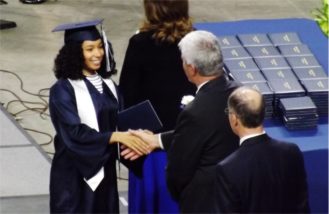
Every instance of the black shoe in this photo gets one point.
(32, 1)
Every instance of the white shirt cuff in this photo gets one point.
(160, 141)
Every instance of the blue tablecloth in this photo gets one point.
(313, 143)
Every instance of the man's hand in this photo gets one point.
(148, 137)
(133, 142)
(144, 135)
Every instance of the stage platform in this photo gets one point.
(29, 49)
(24, 168)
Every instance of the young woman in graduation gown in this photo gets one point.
(83, 106)
(153, 70)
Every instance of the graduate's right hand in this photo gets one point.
(131, 141)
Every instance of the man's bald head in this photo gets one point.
(248, 105)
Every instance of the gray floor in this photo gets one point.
(29, 50)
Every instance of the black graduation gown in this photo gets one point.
(81, 151)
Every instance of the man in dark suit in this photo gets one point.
(263, 175)
(202, 135)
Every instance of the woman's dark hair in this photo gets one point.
(69, 63)
(168, 19)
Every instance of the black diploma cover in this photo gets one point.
(139, 116)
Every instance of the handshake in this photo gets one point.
(135, 143)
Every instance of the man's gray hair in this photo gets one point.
(201, 49)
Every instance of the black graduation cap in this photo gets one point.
(80, 31)
(87, 30)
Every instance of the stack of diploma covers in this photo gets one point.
(140, 116)
(268, 95)
(279, 65)
(317, 89)
(298, 112)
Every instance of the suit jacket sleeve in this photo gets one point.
(302, 203)
(226, 197)
(183, 153)
(166, 138)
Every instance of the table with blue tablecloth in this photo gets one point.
(313, 143)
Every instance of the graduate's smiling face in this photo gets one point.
(93, 53)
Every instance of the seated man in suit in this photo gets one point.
(202, 135)
(263, 175)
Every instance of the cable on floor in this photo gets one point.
(41, 108)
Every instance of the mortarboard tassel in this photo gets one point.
(108, 53)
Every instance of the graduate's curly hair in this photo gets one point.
(69, 63)
(168, 19)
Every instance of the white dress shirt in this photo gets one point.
(249, 136)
